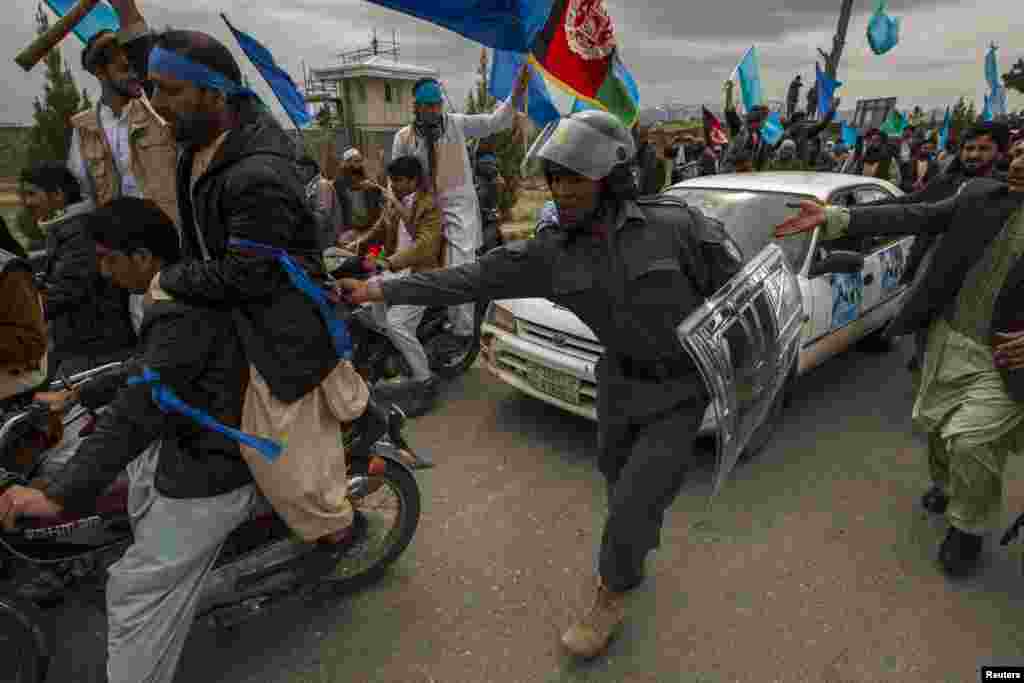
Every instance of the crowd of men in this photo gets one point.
(911, 161)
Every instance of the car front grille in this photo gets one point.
(567, 343)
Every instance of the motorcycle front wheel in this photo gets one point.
(387, 515)
(23, 642)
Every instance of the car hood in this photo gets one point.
(548, 314)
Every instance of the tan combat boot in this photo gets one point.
(589, 637)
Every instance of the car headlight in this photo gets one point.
(502, 318)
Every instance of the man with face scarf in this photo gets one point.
(438, 140)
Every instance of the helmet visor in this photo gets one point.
(577, 146)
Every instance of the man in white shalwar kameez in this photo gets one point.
(450, 172)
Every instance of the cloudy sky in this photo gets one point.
(678, 51)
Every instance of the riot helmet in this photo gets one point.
(593, 144)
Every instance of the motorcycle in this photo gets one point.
(375, 356)
(260, 566)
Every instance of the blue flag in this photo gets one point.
(499, 24)
(102, 17)
(280, 82)
(999, 101)
(749, 73)
(826, 90)
(505, 67)
(883, 30)
(992, 70)
(771, 128)
(848, 135)
(944, 131)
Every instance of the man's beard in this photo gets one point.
(196, 128)
(124, 87)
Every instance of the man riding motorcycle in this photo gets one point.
(188, 492)
(631, 270)
(410, 230)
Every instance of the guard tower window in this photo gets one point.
(388, 95)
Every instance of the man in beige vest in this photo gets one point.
(120, 147)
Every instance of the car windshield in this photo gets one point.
(750, 219)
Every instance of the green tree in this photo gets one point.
(50, 135)
(509, 147)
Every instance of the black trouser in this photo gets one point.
(645, 463)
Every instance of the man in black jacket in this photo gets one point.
(971, 398)
(188, 492)
(983, 145)
(89, 319)
(239, 177)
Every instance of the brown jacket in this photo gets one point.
(22, 329)
(427, 249)
(153, 154)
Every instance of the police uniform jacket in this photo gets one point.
(658, 262)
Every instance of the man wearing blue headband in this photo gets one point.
(241, 198)
(438, 140)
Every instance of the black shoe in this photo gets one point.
(960, 552)
(935, 500)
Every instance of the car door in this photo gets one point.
(837, 299)
(846, 307)
(744, 340)
(886, 257)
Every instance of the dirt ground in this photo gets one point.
(815, 564)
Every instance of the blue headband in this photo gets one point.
(172, 64)
(429, 92)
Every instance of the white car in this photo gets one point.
(849, 290)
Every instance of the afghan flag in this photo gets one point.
(571, 43)
(714, 133)
(577, 49)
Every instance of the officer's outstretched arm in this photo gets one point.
(514, 271)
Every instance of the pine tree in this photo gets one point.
(50, 136)
(508, 143)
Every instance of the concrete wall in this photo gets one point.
(371, 106)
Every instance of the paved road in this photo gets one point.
(815, 564)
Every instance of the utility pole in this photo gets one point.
(839, 41)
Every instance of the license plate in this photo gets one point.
(561, 385)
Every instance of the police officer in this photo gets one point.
(632, 269)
